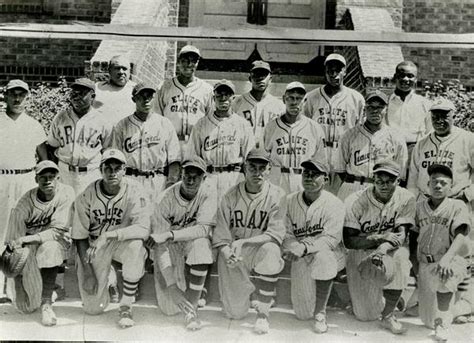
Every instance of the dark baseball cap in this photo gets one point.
(295, 85)
(142, 86)
(387, 166)
(316, 164)
(196, 162)
(46, 165)
(113, 154)
(335, 57)
(226, 84)
(258, 154)
(84, 82)
(189, 49)
(440, 168)
(442, 105)
(260, 65)
(377, 95)
(12, 84)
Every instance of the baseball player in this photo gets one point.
(113, 96)
(440, 242)
(77, 136)
(19, 136)
(181, 229)
(184, 99)
(258, 106)
(222, 140)
(313, 242)
(335, 107)
(111, 221)
(376, 223)
(249, 231)
(367, 143)
(291, 139)
(149, 143)
(41, 219)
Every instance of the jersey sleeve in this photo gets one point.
(461, 216)
(320, 150)
(354, 211)
(208, 208)
(401, 156)
(159, 219)
(418, 213)
(406, 212)
(62, 218)
(39, 134)
(222, 235)
(248, 141)
(193, 148)
(81, 221)
(53, 137)
(414, 170)
(106, 136)
(342, 157)
(308, 106)
(17, 222)
(160, 102)
(117, 137)
(290, 239)
(267, 136)
(360, 110)
(172, 144)
(276, 217)
(138, 215)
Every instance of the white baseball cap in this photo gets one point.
(113, 154)
(295, 85)
(335, 57)
(189, 49)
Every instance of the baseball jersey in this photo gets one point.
(244, 215)
(291, 144)
(32, 216)
(184, 105)
(115, 103)
(258, 113)
(370, 216)
(79, 140)
(336, 115)
(148, 144)
(411, 116)
(456, 150)
(318, 225)
(19, 138)
(126, 212)
(221, 141)
(359, 150)
(436, 227)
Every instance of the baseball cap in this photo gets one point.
(17, 84)
(260, 65)
(113, 154)
(84, 82)
(440, 168)
(442, 104)
(387, 166)
(295, 85)
(196, 162)
(335, 57)
(142, 86)
(43, 165)
(377, 95)
(259, 155)
(225, 83)
(316, 164)
(189, 49)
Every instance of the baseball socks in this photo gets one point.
(196, 279)
(388, 320)
(125, 311)
(443, 322)
(323, 290)
(48, 275)
(266, 291)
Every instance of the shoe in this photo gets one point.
(461, 320)
(59, 293)
(320, 325)
(203, 299)
(412, 311)
(441, 331)
(255, 303)
(114, 294)
(125, 314)
(261, 325)
(48, 317)
(192, 321)
(391, 323)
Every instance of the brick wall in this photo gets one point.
(440, 16)
(393, 7)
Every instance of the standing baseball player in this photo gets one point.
(375, 227)
(19, 135)
(258, 106)
(336, 108)
(292, 139)
(181, 229)
(113, 96)
(149, 142)
(41, 220)
(248, 234)
(185, 99)
(440, 244)
(364, 145)
(111, 221)
(313, 242)
(77, 136)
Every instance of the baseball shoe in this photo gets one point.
(320, 325)
(202, 300)
(261, 325)
(126, 319)
(48, 317)
(391, 323)
(114, 294)
(192, 321)
(5, 300)
(254, 303)
(441, 331)
(462, 319)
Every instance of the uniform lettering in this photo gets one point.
(38, 223)
(434, 220)
(185, 103)
(258, 220)
(360, 159)
(112, 216)
(308, 229)
(130, 144)
(291, 145)
(385, 225)
(212, 143)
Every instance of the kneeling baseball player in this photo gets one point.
(181, 228)
(440, 242)
(313, 242)
(111, 221)
(249, 231)
(41, 221)
(375, 227)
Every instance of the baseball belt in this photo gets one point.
(428, 258)
(354, 178)
(15, 171)
(146, 173)
(78, 169)
(236, 167)
(331, 144)
(291, 170)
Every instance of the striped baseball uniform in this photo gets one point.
(184, 105)
(115, 103)
(192, 222)
(359, 150)
(127, 213)
(319, 226)
(369, 216)
(243, 215)
(34, 217)
(148, 145)
(79, 142)
(258, 113)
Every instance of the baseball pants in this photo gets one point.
(154, 186)
(77, 180)
(223, 181)
(347, 188)
(290, 182)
